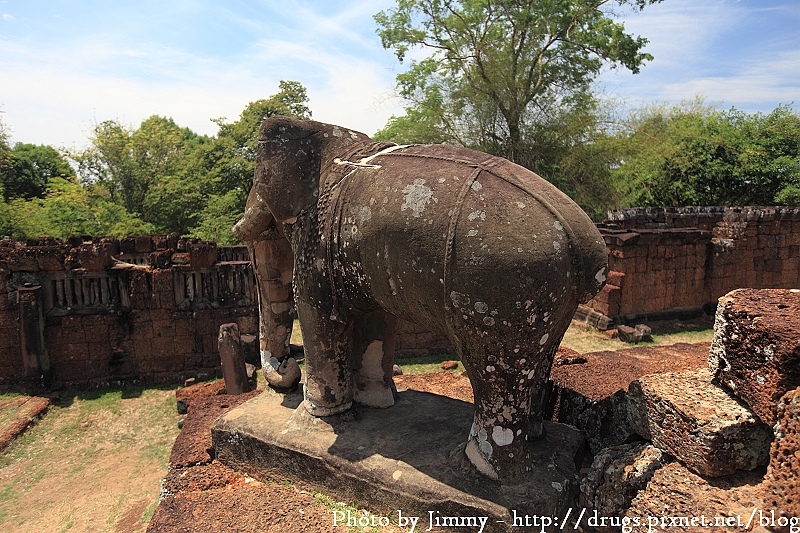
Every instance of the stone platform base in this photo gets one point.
(404, 462)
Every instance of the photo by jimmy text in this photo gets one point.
(572, 520)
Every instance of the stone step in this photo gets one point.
(699, 423)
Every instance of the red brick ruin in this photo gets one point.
(668, 263)
(94, 311)
(91, 311)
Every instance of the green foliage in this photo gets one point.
(220, 214)
(494, 66)
(175, 181)
(229, 161)
(693, 154)
(29, 170)
(70, 209)
(129, 162)
(513, 79)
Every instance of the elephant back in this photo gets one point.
(452, 220)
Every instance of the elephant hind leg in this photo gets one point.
(505, 386)
(373, 357)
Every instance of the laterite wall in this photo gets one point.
(677, 262)
(94, 311)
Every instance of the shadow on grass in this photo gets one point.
(65, 397)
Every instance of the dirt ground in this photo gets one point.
(96, 466)
(109, 488)
(204, 495)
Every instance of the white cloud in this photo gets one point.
(54, 94)
(730, 53)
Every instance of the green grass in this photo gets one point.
(85, 439)
(585, 339)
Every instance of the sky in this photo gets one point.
(66, 65)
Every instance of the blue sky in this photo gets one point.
(68, 64)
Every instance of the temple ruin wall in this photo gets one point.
(676, 262)
(97, 310)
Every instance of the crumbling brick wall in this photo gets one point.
(675, 262)
(141, 308)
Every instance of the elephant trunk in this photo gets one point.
(282, 376)
(257, 219)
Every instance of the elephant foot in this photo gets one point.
(478, 459)
(318, 410)
(379, 396)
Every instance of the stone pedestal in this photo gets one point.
(406, 459)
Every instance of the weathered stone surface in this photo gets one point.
(233, 366)
(782, 482)
(617, 474)
(687, 416)
(202, 255)
(282, 375)
(756, 348)
(590, 390)
(96, 256)
(409, 457)
(635, 334)
(679, 501)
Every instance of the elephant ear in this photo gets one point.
(288, 166)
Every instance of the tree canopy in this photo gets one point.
(694, 154)
(494, 69)
(156, 178)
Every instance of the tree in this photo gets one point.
(218, 217)
(5, 158)
(230, 160)
(496, 66)
(69, 209)
(232, 157)
(694, 154)
(30, 169)
(127, 162)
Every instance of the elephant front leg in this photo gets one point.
(329, 380)
(373, 358)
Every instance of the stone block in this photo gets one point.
(161, 259)
(699, 423)
(756, 348)
(617, 474)
(96, 256)
(589, 390)
(782, 482)
(233, 365)
(51, 258)
(409, 457)
(143, 244)
(679, 501)
(202, 256)
(636, 334)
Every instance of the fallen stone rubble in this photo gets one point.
(693, 441)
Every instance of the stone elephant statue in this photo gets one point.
(465, 243)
